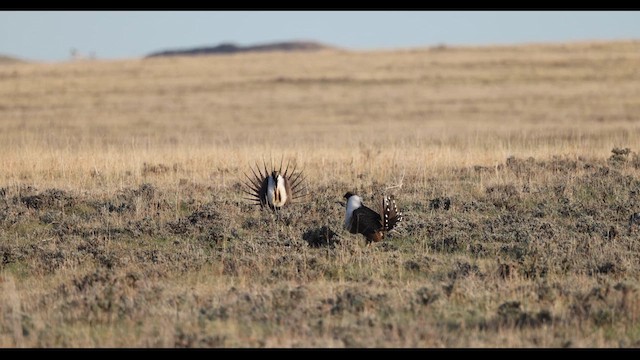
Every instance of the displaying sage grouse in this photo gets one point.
(360, 219)
(274, 188)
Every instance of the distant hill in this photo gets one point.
(229, 48)
(4, 59)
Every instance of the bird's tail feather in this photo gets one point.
(390, 214)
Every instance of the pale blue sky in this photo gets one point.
(49, 35)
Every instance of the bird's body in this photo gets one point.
(360, 219)
(353, 202)
(276, 189)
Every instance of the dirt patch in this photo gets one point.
(48, 199)
(322, 236)
(511, 314)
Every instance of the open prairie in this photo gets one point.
(123, 223)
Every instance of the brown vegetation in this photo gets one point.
(122, 221)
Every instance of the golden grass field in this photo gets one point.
(123, 224)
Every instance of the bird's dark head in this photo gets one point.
(274, 175)
(348, 195)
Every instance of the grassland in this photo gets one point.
(122, 222)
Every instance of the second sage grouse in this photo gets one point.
(360, 219)
(274, 188)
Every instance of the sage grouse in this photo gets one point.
(360, 219)
(274, 188)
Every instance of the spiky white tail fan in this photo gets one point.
(360, 219)
(274, 189)
(391, 216)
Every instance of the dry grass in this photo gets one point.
(122, 222)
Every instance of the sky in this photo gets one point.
(49, 36)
